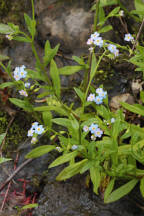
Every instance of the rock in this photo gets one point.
(136, 86)
(72, 198)
(65, 22)
(115, 101)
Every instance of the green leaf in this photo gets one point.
(139, 5)
(95, 178)
(109, 189)
(80, 61)
(105, 29)
(63, 159)
(3, 57)
(2, 136)
(39, 151)
(113, 12)
(49, 53)
(142, 186)
(22, 104)
(79, 93)
(121, 191)
(93, 67)
(54, 73)
(104, 3)
(68, 70)
(7, 84)
(142, 96)
(36, 75)
(62, 121)
(22, 39)
(29, 206)
(57, 109)
(2, 159)
(71, 170)
(5, 29)
(136, 108)
(47, 117)
(31, 24)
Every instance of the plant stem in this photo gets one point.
(96, 15)
(33, 13)
(138, 35)
(100, 58)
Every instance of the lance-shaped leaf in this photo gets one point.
(39, 151)
(54, 73)
(121, 191)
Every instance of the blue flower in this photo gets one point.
(39, 129)
(74, 147)
(98, 100)
(93, 128)
(98, 132)
(34, 125)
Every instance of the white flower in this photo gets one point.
(112, 48)
(27, 84)
(89, 41)
(91, 97)
(85, 128)
(101, 92)
(74, 147)
(30, 133)
(128, 37)
(121, 13)
(98, 41)
(58, 149)
(94, 35)
(93, 137)
(23, 93)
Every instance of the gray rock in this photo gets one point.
(72, 198)
(65, 22)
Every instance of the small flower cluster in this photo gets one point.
(101, 94)
(21, 73)
(95, 131)
(96, 40)
(128, 37)
(34, 131)
(112, 120)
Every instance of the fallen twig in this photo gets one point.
(15, 172)
(138, 35)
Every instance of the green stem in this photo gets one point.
(33, 13)
(96, 15)
(100, 58)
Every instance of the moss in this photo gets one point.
(17, 133)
